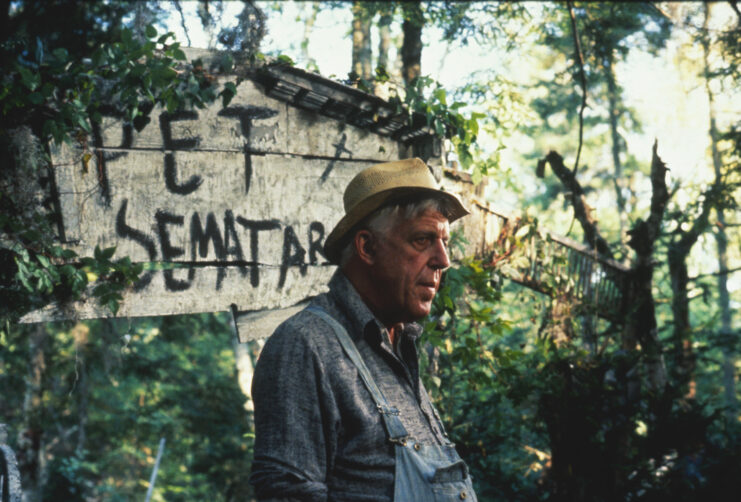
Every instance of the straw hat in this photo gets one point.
(381, 184)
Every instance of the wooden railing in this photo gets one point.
(556, 265)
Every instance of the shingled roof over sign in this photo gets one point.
(315, 93)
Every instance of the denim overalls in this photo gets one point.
(424, 473)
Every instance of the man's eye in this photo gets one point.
(421, 241)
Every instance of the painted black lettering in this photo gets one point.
(125, 231)
(103, 156)
(170, 252)
(339, 149)
(316, 245)
(246, 114)
(230, 235)
(293, 255)
(171, 183)
(247, 169)
(200, 237)
(166, 120)
(254, 226)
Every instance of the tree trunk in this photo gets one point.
(641, 327)
(308, 28)
(411, 49)
(677, 253)
(613, 98)
(384, 39)
(82, 387)
(143, 17)
(31, 461)
(721, 240)
(684, 361)
(361, 43)
(380, 88)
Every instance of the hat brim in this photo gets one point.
(336, 240)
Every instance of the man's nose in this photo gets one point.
(440, 258)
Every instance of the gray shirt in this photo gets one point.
(318, 434)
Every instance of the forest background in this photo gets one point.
(545, 399)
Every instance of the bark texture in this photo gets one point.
(411, 49)
(361, 43)
(721, 241)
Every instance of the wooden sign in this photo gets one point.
(232, 204)
(239, 198)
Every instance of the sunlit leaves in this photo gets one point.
(426, 97)
(131, 75)
(60, 95)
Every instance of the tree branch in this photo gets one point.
(719, 272)
(4, 19)
(179, 8)
(659, 195)
(581, 209)
(734, 5)
(580, 60)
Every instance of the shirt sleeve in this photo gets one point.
(294, 419)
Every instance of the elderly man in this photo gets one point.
(340, 411)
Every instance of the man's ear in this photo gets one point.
(365, 245)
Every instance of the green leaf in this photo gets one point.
(113, 305)
(150, 31)
(108, 253)
(83, 123)
(440, 95)
(36, 98)
(29, 79)
(227, 63)
(140, 122)
(61, 55)
(285, 60)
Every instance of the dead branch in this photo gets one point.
(179, 8)
(716, 273)
(659, 195)
(582, 211)
(580, 60)
(734, 5)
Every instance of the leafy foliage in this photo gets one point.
(427, 97)
(535, 420)
(111, 389)
(58, 95)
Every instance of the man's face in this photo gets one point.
(408, 265)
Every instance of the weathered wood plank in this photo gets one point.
(251, 121)
(243, 194)
(317, 135)
(251, 326)
(205, 289)
(205, 206)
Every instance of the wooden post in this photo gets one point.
(156, 468)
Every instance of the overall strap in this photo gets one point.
(390, 414)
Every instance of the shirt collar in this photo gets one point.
(357, 312)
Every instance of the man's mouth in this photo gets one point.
(431, 286)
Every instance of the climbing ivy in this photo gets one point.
(427, 97)
(56, 97)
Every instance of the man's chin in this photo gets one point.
(421, 310)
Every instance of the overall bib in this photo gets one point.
(424, 473)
